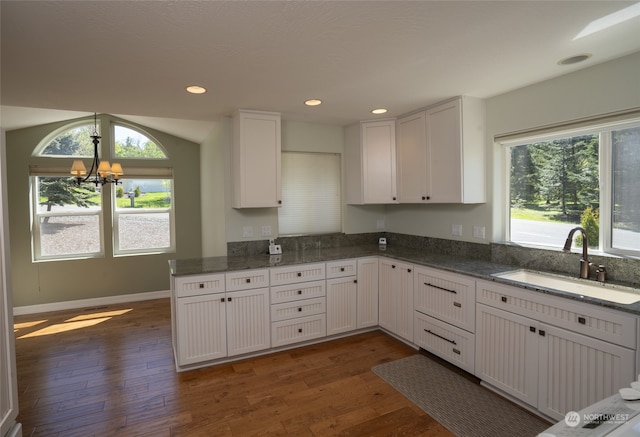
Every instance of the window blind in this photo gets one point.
(311, 194)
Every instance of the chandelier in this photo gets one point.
(101, 172)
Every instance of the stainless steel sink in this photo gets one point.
(579, 287)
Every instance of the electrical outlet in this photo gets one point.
(478, 232)
(247, 231)
(380, 224)
(266, 231)
(456, 230)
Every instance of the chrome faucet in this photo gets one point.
(584, 261)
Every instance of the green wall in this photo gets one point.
(57, 281)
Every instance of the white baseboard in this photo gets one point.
(84, 303)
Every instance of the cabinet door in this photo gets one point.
(396, 298)
(507, 352)
(411, 152)
(387, 301)
(256, 159)
(577, 371)
(405, 316)
(341, 305)
(444, 139)
(248, 321)
(202, 333)
(367, 292)
(379, 161)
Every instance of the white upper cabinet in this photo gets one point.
(412, 161)
(441, 153)
(256, 159)
(370, 162)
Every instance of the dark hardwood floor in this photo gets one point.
(109, 371)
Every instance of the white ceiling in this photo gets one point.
(134, 58)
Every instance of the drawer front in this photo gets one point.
(297, 273)
(296, 330)
(446, 296)
(339, 269)
(446, 341)
(301, 308)
(197, 285)
(246, 279)
(293, 292)
(609, 325)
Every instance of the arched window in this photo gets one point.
(68, 218)
(132, 143)
(70, 141)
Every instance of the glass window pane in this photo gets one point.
(68, 215)
(144, 193)
(73, 142)
(144, 231)
(554, 186)
(69, 235)
(130, 143)
(625, 232)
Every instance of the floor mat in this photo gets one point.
(463, 407)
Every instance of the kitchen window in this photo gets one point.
(311, 194)
(72, 221)
(586, 176)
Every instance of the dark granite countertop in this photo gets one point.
(471, 267)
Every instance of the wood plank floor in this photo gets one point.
(109, 371)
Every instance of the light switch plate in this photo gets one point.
(456, 230)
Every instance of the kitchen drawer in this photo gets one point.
(197, 285)
(297, 273)
(246, 279)
(297, 330)
(294, 292)
(300, 308)
(446, 341)
(609, 325)
(339, 269)
(445, 296)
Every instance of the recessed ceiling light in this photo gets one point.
(313, 102)
(195, 89)
(379, 111)
(574, 59)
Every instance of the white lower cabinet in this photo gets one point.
(211, 323)
(395, 309)
(552, 369)
(247, 321)
(445, 315)
(367, 292)
(446, 341)
(202, 328)
(298, 303)
(342, 301)
(507, 352)
(342, 296)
